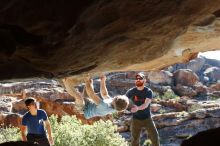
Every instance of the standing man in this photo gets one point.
(141, 97)
(33, 122)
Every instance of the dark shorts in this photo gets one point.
(38, 139)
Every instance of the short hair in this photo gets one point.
(121, 102)
(29, 100)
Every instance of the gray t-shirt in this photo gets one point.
(93, 110)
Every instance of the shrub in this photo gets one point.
(71, 132)
(9, 134)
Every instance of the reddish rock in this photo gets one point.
(12, 120)
(185, 77)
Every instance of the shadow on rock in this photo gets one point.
(204, 138)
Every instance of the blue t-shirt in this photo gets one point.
(138, 98)
(35, 124)
(93, 110)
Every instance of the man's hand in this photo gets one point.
(134, 109)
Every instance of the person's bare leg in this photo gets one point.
(90, 90)
(69, 85)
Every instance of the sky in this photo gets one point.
(211, 54)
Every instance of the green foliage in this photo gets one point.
(71, 132)
(9, 134)
(148, 142)
(169, 94)
(115, 115)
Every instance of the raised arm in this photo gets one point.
(90, 90)
(103, 89)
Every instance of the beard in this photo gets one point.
(139, 84)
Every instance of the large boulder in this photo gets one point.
(185, 77)
(162, 77)
(11, 119)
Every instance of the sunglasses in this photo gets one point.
(139, 78)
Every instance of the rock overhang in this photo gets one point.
(56, 39)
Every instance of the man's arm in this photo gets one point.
(23, 131)
(90, 90)
(141, 107)
(48, 127)
(103, 89)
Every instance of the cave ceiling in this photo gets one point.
(55, 39)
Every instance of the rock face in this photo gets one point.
(68, 38)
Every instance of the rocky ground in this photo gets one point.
(186, 99)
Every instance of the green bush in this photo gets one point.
(9, 134)
(71, 132)
(169, 94)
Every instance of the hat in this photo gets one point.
(141, 74)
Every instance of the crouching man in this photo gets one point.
(33, 122)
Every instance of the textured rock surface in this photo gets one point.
(65, 38)
(161, 77)
(185, 77)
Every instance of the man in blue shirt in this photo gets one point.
(92, 104)
(141, 97)
(33, 123)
